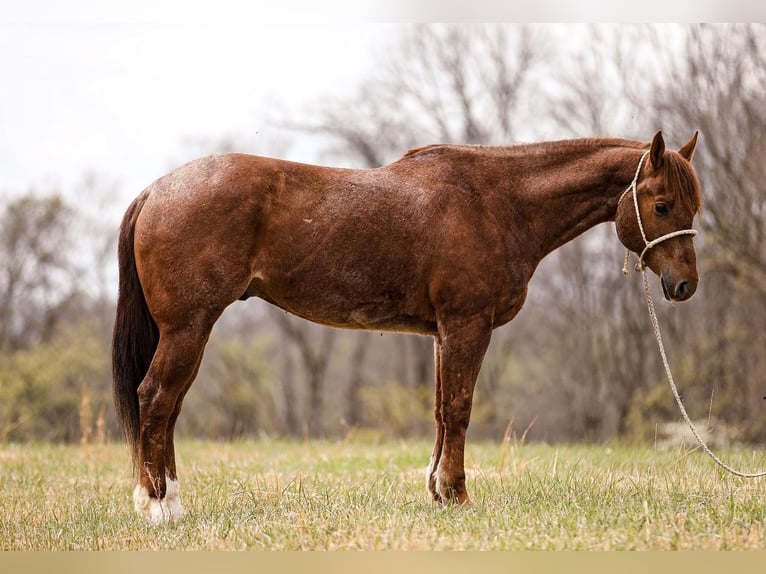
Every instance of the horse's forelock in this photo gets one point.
(682, 182)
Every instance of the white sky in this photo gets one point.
(120, 99)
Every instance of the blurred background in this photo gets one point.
(90, 114)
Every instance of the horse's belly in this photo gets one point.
(368, 317)
(345, 305)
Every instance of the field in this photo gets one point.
(369, 494)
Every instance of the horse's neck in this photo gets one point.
(573, 187)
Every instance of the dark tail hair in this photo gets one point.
(135, 336)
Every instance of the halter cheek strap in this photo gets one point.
(647, 244)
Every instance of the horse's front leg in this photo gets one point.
(439, 417)
(461, 347)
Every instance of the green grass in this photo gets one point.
(364, 494)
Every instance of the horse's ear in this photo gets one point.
(657, 149)
(687, 150)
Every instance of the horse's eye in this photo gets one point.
(661, 208)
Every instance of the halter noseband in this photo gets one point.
(647, 244)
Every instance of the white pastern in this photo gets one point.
(443, 487)
(440, 490)
(429, 472)
(167, 509)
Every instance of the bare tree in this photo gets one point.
(38, 279)
(315, 360)
(439, 83)
(588, 97)
(716, 83)
(579, 299)
(707, 77)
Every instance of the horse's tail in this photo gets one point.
(135, 336)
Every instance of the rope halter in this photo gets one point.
(647, 244)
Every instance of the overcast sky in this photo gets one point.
(122, 100)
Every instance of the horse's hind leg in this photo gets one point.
(160, 395)
(170, 457)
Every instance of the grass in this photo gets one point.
(365, 494)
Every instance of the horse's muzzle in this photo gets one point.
(677, 289)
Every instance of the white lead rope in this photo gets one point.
(655, 324)
(674, 389)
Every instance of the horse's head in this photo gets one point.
(656, 225)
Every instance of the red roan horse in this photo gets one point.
(441, 242)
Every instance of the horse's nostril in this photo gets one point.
(682, 290)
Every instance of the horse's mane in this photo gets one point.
(533, 147)
(681, 180)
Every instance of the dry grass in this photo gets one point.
(370, 495)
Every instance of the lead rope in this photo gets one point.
(655, 323)
(658, 336)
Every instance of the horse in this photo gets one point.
(441, 242)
